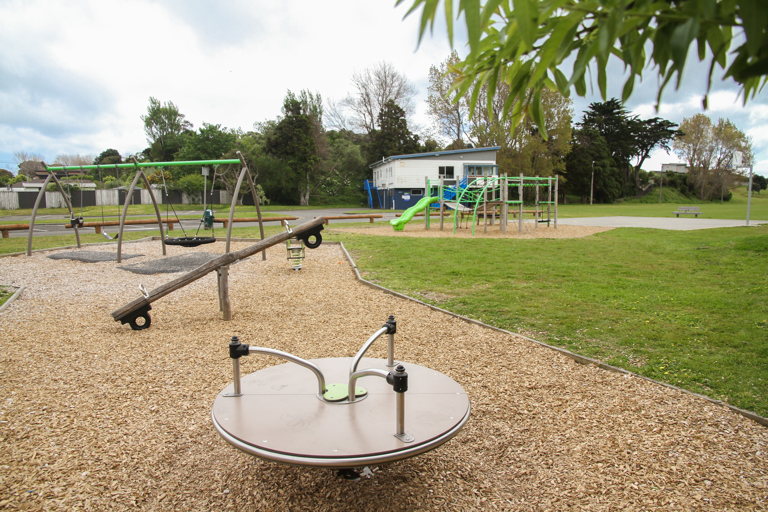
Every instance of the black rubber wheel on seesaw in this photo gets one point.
(314, 245)
(144, 323)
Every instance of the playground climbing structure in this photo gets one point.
(530, 200)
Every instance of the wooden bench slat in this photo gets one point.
(369, 216)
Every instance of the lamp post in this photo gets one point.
(592, 186)
(749, 193)
(206, 170)
(661, 183)
(736, 162)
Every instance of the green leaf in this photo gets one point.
(548, 51)
(629, 85)
(682, 37)
(602, 79)
(490, 8)
(471, 10)
(449, 20)
(716, 40)
(581, 86)
(525, 22)
(427, 15)
(759, 68)
(561, 80)
(536, 112)
(754, 17)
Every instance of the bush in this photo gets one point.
(346, 196)
(191, 184)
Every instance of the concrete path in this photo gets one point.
(672, 223)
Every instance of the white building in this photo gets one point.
(675, 168)
(399, 182)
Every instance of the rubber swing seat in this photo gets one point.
(190, 241)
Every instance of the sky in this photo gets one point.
(76, 76)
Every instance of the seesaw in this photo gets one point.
(136, 312)
(291, 414)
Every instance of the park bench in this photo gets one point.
(526, 212)
(255, 219)
(6, 228)
(687, 210)
(369, 216)
(97, 225)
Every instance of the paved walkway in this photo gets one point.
(672, 223)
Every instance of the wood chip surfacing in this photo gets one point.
(95, 416)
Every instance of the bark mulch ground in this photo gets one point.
(95, 416)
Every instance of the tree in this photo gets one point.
(449, 112)
(293, 143)
(613, 122)
(649, 135)
(5, 177)
(163, 125)
(759, 183)
(590, 156)
(708, 150)
(628, 137)
(73, 160)
(210, 142)
(536, 155)
(525, 42)
(29, 163)
(374, 87)
(393, 136)
(344, 167)
(108, 157)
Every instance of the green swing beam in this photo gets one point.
(144, 164)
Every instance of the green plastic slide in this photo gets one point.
(408, 214)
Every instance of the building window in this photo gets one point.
(446, 172)
(482, 170)
(417, 192)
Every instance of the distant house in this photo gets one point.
(675, 168)
(36, 184)
(399, 182)
(42, 173)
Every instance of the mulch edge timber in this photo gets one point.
(12, 297)
(567, 353)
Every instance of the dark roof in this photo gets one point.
(434, 153)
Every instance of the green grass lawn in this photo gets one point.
(687, 308)
(736, 208)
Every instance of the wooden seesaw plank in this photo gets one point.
(221, 261)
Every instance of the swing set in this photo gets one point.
(184, 241)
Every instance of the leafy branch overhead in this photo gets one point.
(524, 43)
